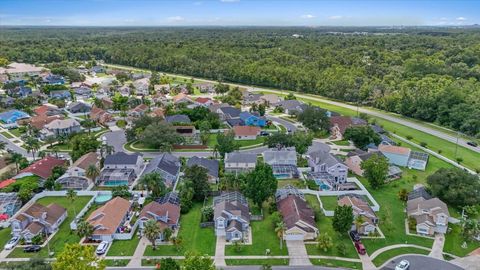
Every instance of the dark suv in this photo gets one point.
(355, 236)
(474, 144)
(34, 248)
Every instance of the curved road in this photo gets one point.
(420, 262)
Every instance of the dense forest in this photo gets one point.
(428, 74)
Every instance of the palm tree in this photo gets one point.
(92, 172)
(84, 229)
(359, 220)
(32, 145)
(177, 242)
(50, 140)
(152, 231)
(15, 158)
(280, 230)
(72, 195)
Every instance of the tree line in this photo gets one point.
(432, 76)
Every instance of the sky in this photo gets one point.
(238, 12)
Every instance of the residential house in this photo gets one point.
(158, 112)
(79, 107)
(182, 98)
(124, 90)
(189, 133)
(327, 168)
(418, 160)
(271, 99)
(160, 98)
(231, 216)
(228, 113)
(253, 120)
(48, 110)
(121, 160)
(60, 94)
(339, 124)
(246, 132)
(141, 86)
(205, 87)
(251, 98)
(165, 212)
(60, 127)
(20, 71)
(292, 107)
(107, 103)
(360, 209)
(9, 119)
(431, 215)
(38, 219)
(162, 88)
(97, 69)
(204, 101)
(283, 162)
(212, 166)
(215, 106)
(41, 168)
(235, 122)
(355, 158)
(298, 217)
(100, 116)
(108, 220)
(167, 165)
(238, 162)
(83, 91)
(52, 79)
(396, 155)
(139, 110)
(19, 92)
(76, 175)
(178, 119)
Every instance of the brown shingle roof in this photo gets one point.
(294, 209)
(246, 130)
(166, 209)
(109, 216)
(394, 149)
(86, 160)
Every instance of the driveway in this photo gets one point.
(220, 252)
(420, 262)
(437, 247)
(116, 139)
(318, 146)
(297, 253)
(287, 124)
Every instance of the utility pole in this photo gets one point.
(456, 144)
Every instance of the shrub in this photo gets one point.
(409, 137)
(412, 223)
(439, 151)
(423, 144)
(311, 184)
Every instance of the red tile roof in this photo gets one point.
(203, 100)
(43, 167)
(6, 183)
(394, 149)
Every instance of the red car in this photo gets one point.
(360, 248)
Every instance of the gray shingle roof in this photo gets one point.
(321, 157)
(178, 118)
(165, 162)
(121, 158)
(237, 157)
(211, 165)
(231, 111)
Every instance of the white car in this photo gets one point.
(403, 265)
(102, 248)
(12, 243)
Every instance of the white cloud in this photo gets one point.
(461, 19)
(175, 19)
(335, 17)
(307, 16)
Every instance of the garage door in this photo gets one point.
(294, 237)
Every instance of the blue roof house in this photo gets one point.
(9, 119)
(60, 94)
(52, 79)
(253, 120)
(20, 91)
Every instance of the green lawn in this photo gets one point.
(264, 237)
(389, 254)
(60, 147)
(201, 240)
(116, 262)
(7, 135)
(5, 236)
(294, 182)
(342, 143)
(329, 202)
(246, 143)
(16, 131)
(336, 263)
(153, 262)
(271, 262)
(124, 247)
(64, 234)
(454, 241)
(324, 224)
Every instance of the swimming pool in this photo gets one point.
(323, 185)
(115, 183)
(103, 198)
(282, 175)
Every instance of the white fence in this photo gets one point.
(127, 236)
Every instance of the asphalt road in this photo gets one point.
(287, 124)
(247, 268)
(14, 147)
(419, 262)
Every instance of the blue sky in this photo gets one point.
(237, 12)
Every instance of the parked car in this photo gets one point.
(264, 133)
(355, 236)
(102, 248)
(474, 144)
(360, 248)
(33, 248)
(12, 243)
(403, 265)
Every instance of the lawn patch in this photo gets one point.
(257, 261)
(389, 254)
(124, 247)
(336, 263)
(7, 135)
